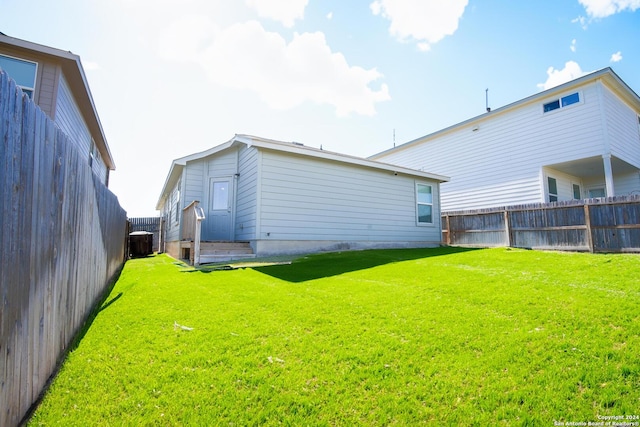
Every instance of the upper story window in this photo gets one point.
(565, 101)
(23, 72)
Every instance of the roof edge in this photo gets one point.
(593, 76)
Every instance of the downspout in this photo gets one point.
(606, 156)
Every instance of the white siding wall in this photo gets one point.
(246, 205)
(623, 129)
(311, 199)
(69, 118)
(564, 184)
(500, 163)
(627, 184)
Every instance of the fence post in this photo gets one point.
(446, 230)
(507, 227)
(587, 221)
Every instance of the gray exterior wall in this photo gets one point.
(304, 199)
(293, 203)
(69, 118)
(247, 194)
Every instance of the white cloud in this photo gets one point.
(424, 21)
(616, 57)
(604, 8)
(330, 16)
(580, 20)
(555, 77)
(284, 11)
(284, 75)
(573, 45)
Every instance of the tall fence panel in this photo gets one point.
(62, 242)
(596, 225)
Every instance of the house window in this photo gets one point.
(21, 71)
(92, 152)
(565, 101)
(550, 106)
(424, 197)
(577, 193)
(176, 201)
(574, 98)
(597, 192)
(553, 189)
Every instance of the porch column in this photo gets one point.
(608, 175)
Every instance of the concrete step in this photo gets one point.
(213, 252)
(210, 259)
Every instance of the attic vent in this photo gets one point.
(299, 144)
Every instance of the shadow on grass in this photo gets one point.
(333, 264)
(111, 301)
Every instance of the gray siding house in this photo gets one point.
(287, 198)
(54, 79)
(575, 141)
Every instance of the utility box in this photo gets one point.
(140, 244)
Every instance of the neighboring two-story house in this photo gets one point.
(574, 141)
(56, 82)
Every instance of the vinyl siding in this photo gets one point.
(246, 204)
(46, 81)
(627, 184)
(69, 119)
(564, 184)
(623, 128)
(312, 199)
(169, 213)
(500, 163)
(194, 178)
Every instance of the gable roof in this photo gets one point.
(178, 165)
(77, 80)
(606, 75)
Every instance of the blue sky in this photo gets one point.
(174, 77)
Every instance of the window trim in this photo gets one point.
(549, 193)
(29, 91)
(573, 190)
(560, 101)
(591, 188)
(419, 203)
(176, 201)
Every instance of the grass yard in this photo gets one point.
(390, 337)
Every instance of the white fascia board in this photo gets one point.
(295, 148)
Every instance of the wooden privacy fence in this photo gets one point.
(62, 242)
(150, 224)
(596, 225)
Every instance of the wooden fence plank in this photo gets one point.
(597, 225)
(59, 248)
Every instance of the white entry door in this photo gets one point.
(219, 218)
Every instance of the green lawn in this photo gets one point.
(393, 337)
